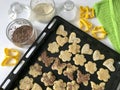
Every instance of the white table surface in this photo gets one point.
(4, 20)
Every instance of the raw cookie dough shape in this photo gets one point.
(36, 87)
(53, 47)
(79, 59)
(48, 88)
(95, 86)
(86, 49)
(90, 67)
(48, 79)
(61, 31)
(65, 55)
(61, 40)
(109, 64)
(82, 78)
(59, 85)
(69, 71)
(26, 83)
(74, 48)
(35, 70)
(58, 66)
(98, 56)
(46, 59)
(73, 38)
(15, 88)
(103, 74)
(72, 86)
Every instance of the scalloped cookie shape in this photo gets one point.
(90, 67)
(59, 85)
(65, 55)
(25, 86)
(35, 70)
(36, 87)
(72, 85)
(74, 48)
(48, 88)
(48, 78)
(53, 47)
(79, 59)
(103, 74)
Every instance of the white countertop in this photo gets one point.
(4, 20)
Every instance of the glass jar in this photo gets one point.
(68, 11)
(18, 10)
(42, 10)
(21, 32)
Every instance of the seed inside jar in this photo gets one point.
(22, 34)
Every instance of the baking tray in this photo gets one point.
(41, 43)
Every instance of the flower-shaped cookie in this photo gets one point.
(36, 87)
(72, 85)
(65, 56)
(59, 85)
(53, 47)
(26, 83)
(48, 88)
(79, 59)
(74, 48)
(90, 67)
(48, 79)
(103, 74)
(35, 70)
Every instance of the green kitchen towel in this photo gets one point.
(108, 13)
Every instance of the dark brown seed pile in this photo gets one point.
(22, 34)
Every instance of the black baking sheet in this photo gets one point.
(41, 45)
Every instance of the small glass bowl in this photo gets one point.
(21, 32)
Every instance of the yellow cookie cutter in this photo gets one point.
(9, 61)
(12, 52)
(98, 32)
(11, 57)
(82, 12)
(86, 12)
(85, 23)
(90, 13)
